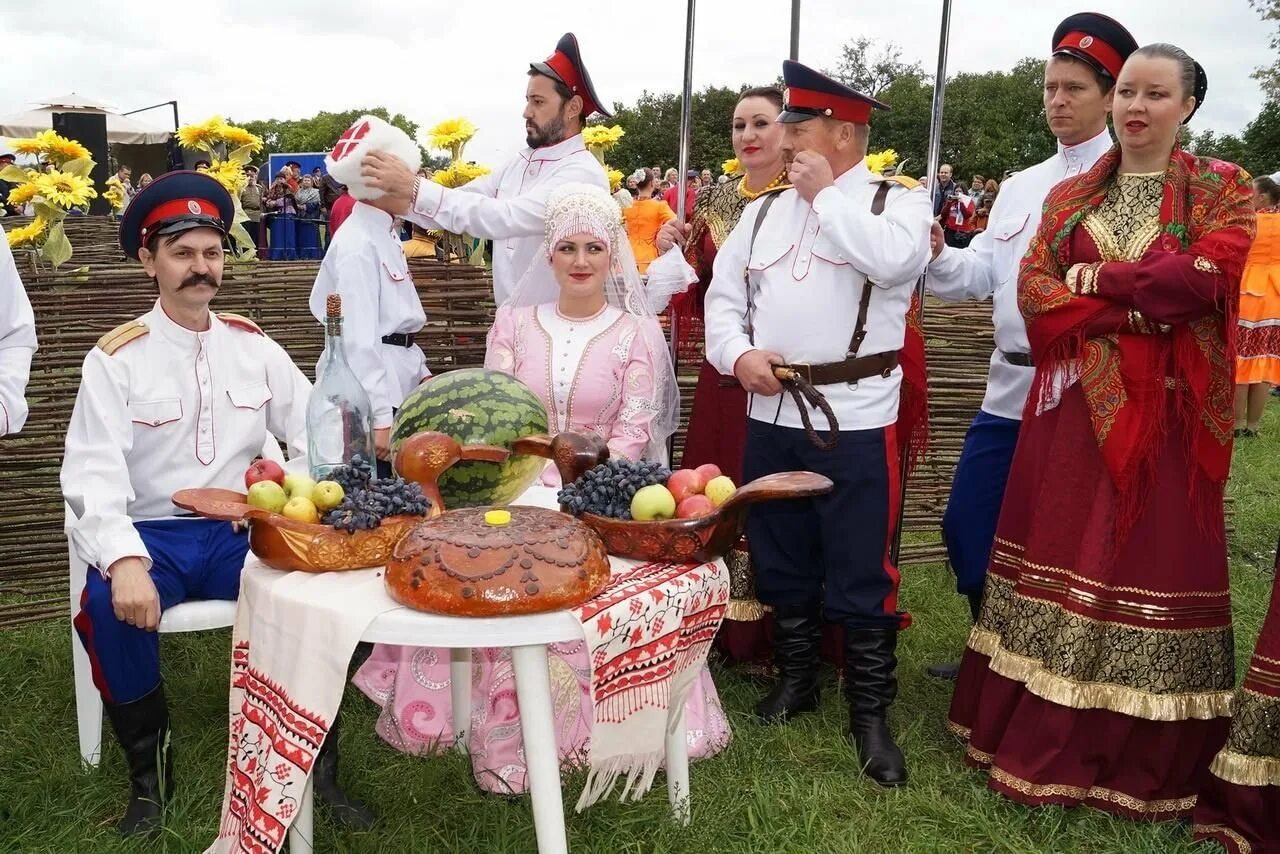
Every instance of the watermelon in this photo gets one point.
(476, 407)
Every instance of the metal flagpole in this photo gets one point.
(686, 124)
(795, 30)
(934, 154)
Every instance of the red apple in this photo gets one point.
(709, 472)
(694, 505)
(685, 482)
(263, 470)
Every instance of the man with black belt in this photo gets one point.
(382, 313)
(1088, 51)
(829, 267)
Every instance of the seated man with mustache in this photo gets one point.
(180, 397)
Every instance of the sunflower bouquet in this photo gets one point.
(731, 167)
(60, 183)
(599, 139)
(115, 194)
(879, 161)
(452, 135)
(229, 149)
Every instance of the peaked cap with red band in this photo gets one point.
(565, 66)
(174, 202)
(1096, 39)
(813, 95)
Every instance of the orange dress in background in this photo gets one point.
(1258, 341)
(644, 218)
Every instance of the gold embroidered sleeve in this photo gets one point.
(1204, 265)
(1082, 279)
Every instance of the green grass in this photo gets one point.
(786, 789)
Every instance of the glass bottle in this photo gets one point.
(339, 415)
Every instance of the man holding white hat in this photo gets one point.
(508, 206)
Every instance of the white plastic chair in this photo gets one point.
(192, 616)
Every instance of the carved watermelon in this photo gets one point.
(476, 407)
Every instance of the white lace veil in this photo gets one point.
(578, 208)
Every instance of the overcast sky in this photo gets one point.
(435, 60)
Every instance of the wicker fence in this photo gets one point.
(74, 307)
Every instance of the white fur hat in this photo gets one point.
(369, 133)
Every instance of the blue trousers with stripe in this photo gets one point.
(977, 491)
(833, 548)
(191, 559)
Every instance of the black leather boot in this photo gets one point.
(870, 685)
(796, 639)
(951, 670)
(142, 728)
(324, 783)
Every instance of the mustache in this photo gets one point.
(198, 279)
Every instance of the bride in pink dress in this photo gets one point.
(579, 332)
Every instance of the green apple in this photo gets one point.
(301, 510)
(719, 489)
(299, 486)
(267, 495)
(653, 502)
(327, 495)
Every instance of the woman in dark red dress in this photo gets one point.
(1101, 667)
(718, 424)
(1240, 805)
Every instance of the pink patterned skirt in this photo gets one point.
(411, 684)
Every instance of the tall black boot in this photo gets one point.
(324, 783)
(951, 669)
(870, 685)
(142, 728)
(797, 636)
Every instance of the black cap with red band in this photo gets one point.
(1096, 39)
(174, 202)
(565, 66)
(812, 95)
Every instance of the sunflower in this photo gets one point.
(23, 193)
(61, 150)
(28, 233)
(238, 137)
(201, 136)
(65, 190)
(599, 136)
(458, 174)
(731, 167)
(26, 146)
(229, 174)
(878, 161)
(615, 180)
(451, 135)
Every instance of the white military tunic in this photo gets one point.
(365, 264)
(809, 265)
(988, 267)
(171, 409)
(17, 343)
(508, 205)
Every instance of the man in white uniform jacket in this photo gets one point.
(17, 343)
(178, 398)
(1088, 51)
(509, 204)
(830, 275)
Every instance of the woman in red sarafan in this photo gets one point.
(1101, 667)
(1240, 805)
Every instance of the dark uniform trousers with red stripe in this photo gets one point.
(833, 548)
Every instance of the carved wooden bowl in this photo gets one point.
(697, 539)
(283, 543)
(462, 565)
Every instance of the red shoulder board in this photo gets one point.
(240, 322)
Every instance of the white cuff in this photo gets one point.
(427, 196)
(732, 353)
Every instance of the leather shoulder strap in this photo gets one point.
(864, 304)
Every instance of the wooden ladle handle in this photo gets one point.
(573, 453)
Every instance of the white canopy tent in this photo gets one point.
(123, 130)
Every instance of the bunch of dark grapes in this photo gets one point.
(607, 489)
(365, 507)
(354, 476)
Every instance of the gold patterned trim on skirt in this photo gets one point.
(1245, 770)
(1015, 561)
(1214, 829)
(961, 732)
(745, 610)
(1123, 700)
(1171, 807)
